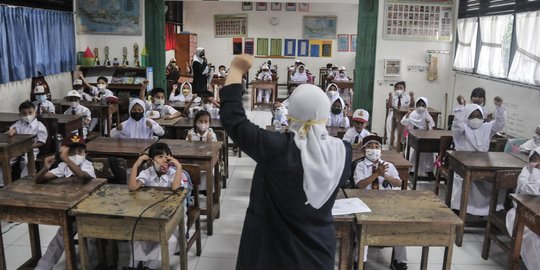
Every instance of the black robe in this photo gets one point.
(200, 81)
(280, 230)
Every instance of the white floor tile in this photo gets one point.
(207, 263)
(221, 246)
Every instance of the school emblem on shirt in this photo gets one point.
(75, 139)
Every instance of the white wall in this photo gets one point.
(521, 103)
(410, 53)
(199, 19)
(14, 93)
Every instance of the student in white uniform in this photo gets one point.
(185, 94)
(265, 75)
(419, 118)
(28, 124)
(279, 115)
(164, 171)
(78, 85)
(75, 108)
(201, 130)
(342, 75)
(300, 74)
(74, 164)
(100, 92)
(398, 98)
(359, 130)
(533, 143)
(478, 96)
(337, 115)
(471, 133)
(43, 106)
(332, 91)
(137, 126)
(374, 173)
(156, 107)
(528, 183)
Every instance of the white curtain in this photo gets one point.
(526, 63)
(465, 53)
(492, 32)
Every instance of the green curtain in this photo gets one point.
(154, 28)
(366, 47)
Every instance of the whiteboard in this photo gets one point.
(522, 104)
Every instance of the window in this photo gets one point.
(526, 63)
(495, 40)
(466, 48)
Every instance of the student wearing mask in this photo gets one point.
(337, 115)
(533, 143)
(75, 108)
(332, 92)
(201, 72)
(78, 85)
(397, 99)
(156, 107)
(300, 75)
(100, 91)
(42, 104)
(359, 131)
(137, 126)
(342, 75)
(265, 75)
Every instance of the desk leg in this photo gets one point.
(83, 250)
(253, 96)
(447, 261)
(346, 247)
(6, 168)
(449, 186)
(361, 247)
(31, 162)
(515, 244)
(2, 253)
(424, 260)
(416, 165)
(69, 245)
(217, 194)
(467, 182)
(164, 243)
(209, 198)
(35, 243)
(392, 130)
(399, 135)
(182, 243)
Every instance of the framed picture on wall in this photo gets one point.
(247, 6)
(353, 43)
(275, 47)
(262, 46)
(392, 67)
(125, 21)
(275, 6)
(343, 43)
(261, 6)
(290, 6)
(248, 45)
(326, 48)
(303, 7)
(290, 47)
(303, 47)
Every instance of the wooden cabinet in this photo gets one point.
(186, 44)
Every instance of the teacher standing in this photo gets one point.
(200, 73)
(288, 224)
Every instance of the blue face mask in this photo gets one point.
(41, 98)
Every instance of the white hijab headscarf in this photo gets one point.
(419, 119)
(335, 95)
(300, 76)
(323, 156)
(336, 119)
(197, 56)
(536, 150)
(136, 129)
(479, 137)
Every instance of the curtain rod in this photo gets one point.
(13, 6)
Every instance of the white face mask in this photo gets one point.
(373, 154)
(101, 86)
(341, 75)
(280, 111)
(331, 93)
(420, 110)
(29, 118)
(202, 127)
(399, 93)
(74, 104)
(475, 123)
(77, 159)
(160, 101)
(41, 98)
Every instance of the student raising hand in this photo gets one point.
(64, 153)
(461, 100)
(498, 101)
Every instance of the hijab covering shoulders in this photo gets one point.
(419, 119)
(300, 76)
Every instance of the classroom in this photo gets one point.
(304, 134)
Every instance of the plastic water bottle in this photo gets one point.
(277, 124)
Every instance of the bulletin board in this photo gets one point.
(430, 20)
(230, 25)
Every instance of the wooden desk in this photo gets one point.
(527, 214)
(396, 123)
(129, 149)
(475, 166)
(168, 125)
(256, 85)
(424, 141)
(25, 201)
(15, 146)
(402, 165)
(112, 211)
(67, 123)
(345, 235)
(102, 111)
(178, 105)
(7, 119)
(207, 155)
(405, 218)
(293, 83)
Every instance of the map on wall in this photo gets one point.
(118, 17)
(319, 27)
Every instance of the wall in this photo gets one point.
(410, 53)
(521, 103)
(199, 18)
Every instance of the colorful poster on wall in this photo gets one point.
(122, 18)
(237, 45)
(303, 47)
(315, 48)
(353, 43)
(275, 46)
(343, 43)
(326, 48)
(290, 47)
(262, 46)
(319, 27)
(249, 44)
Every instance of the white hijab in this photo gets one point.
(336, 119)
(136, 129)
(300, 76)
(419, 119)
(323, 156)
(536, 150)
(197, 56)
(336, 95)
(189, 96)
(480, 137)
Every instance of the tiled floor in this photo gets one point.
(220, 250)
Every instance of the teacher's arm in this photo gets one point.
(259, 144)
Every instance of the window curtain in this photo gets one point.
(526, 63)
(35, 41)
(493, 30)
(170, 36)
(465, 53)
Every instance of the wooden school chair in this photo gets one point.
(443, 167)
(505, 181)
(224, 163)
(194, 210)
(52, 145)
